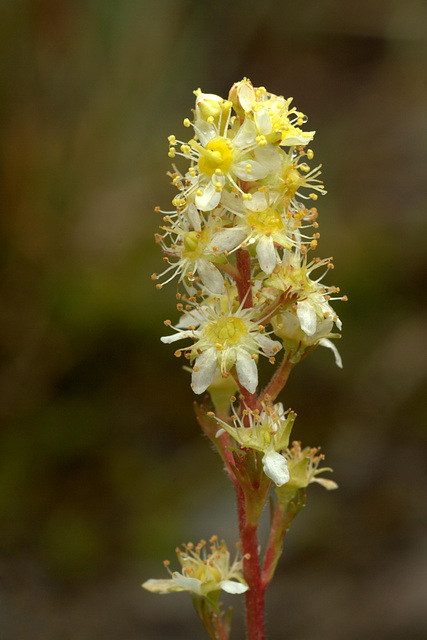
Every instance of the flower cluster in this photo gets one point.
(203, 571)
(240, 242)
(239, 236)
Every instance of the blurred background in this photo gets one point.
(103, 470)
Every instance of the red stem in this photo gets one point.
(278, 380)
(251, 572)
(248, 531)
(243, 282)
(276, 536)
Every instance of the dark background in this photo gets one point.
(103, 470)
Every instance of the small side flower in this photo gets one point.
(204, 570)
(268, 432)
(303, 466)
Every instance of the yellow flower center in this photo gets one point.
(191, 245)
(203, 574)
(217, 155)
(194, 244)
(226, 331)
(267, 220)
(265, 436)
(292, 180)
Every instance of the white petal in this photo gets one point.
(206, 364)
(161, 586)
(301, 139)
(230, 586)
(246, 96)
(258, 171)
(211, 276)
(231, 202)
(258, 202)
(269, 157)
(177, 336)
(324, 327)
(194, 217)
(209, 198)
(328, 484)
(229, 238)
(246, 135)
(328, 343)
(190, 318)
(266, 254)
(247, 371)
(262, 121)
(275, 467)
(269, 346)
(291, 326)
(307, 317)
(190, 584)
(205, 131)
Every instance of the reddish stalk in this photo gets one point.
(243, 282)
(248, 531)
(278, 380)
(255, 625)
(277, 533)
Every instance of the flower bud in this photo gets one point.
(242, 95)
(207, 105)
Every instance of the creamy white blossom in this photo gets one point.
(204, 569)
(267, 431)
(303, 465)
(225, 338)
(192, 250)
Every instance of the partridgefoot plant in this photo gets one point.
(240, 242)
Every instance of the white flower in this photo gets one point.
(303, 465)
(292, 179)
(224, 339)
(287, 326)
(310, 296)
(221, 155)
(202, 571)
(267, 432)
(193, 247)
(272, 114)
(261, 222)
